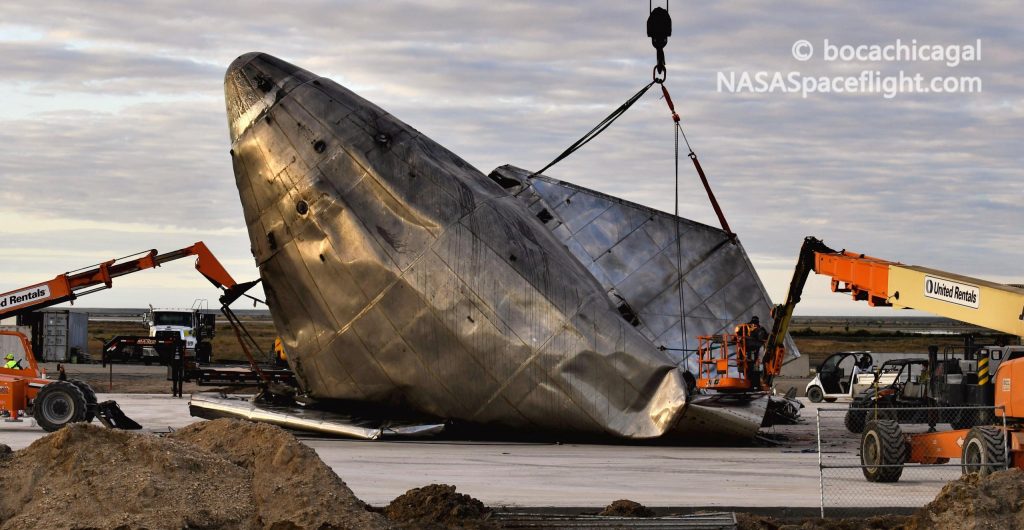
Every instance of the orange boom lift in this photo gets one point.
(725, 362)
(24, 389)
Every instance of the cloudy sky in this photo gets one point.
(115, 140)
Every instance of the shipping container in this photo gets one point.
(58, 334)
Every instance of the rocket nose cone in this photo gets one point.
(255, 82)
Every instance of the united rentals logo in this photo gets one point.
(952, 292)
(19, 298)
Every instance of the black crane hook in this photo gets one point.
(659, 29)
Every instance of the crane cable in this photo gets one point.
(677, 128)
(711, 197)
(598, 129)
(659, 29)
(679, 243)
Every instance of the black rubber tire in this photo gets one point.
(90, 399)
(984, 451)
(815, 394)
(883, 444)
(855, 420)
(58, 404)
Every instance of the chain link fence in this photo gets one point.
(895, 460)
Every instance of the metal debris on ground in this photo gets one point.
(211, 406)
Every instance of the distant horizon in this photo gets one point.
(910, 314)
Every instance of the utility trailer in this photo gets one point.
(135, 348)
(193, 328)
(128, 348)
(237, 375)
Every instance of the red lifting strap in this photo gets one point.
(696, 165)
(711, 196)
(668, 99)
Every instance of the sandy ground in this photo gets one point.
(561, 475)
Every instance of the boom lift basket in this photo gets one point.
(723, 363)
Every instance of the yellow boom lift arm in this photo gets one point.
(881, 282)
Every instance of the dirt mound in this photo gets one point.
(975, 502)
(437, 506)
(291, 486)
(626, 508)
(85, 476)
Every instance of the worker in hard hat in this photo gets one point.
(753, 337)
(11, 363)
(756, 335)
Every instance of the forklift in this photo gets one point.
(25, 390)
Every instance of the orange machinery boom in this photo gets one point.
(884, 283)
(70, 285)
(867, 278)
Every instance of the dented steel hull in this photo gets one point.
(398, 274)
(674, 279)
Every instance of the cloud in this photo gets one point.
(158, 164)
(35, 63)
(123, 122)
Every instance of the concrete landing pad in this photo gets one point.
(539, 475)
